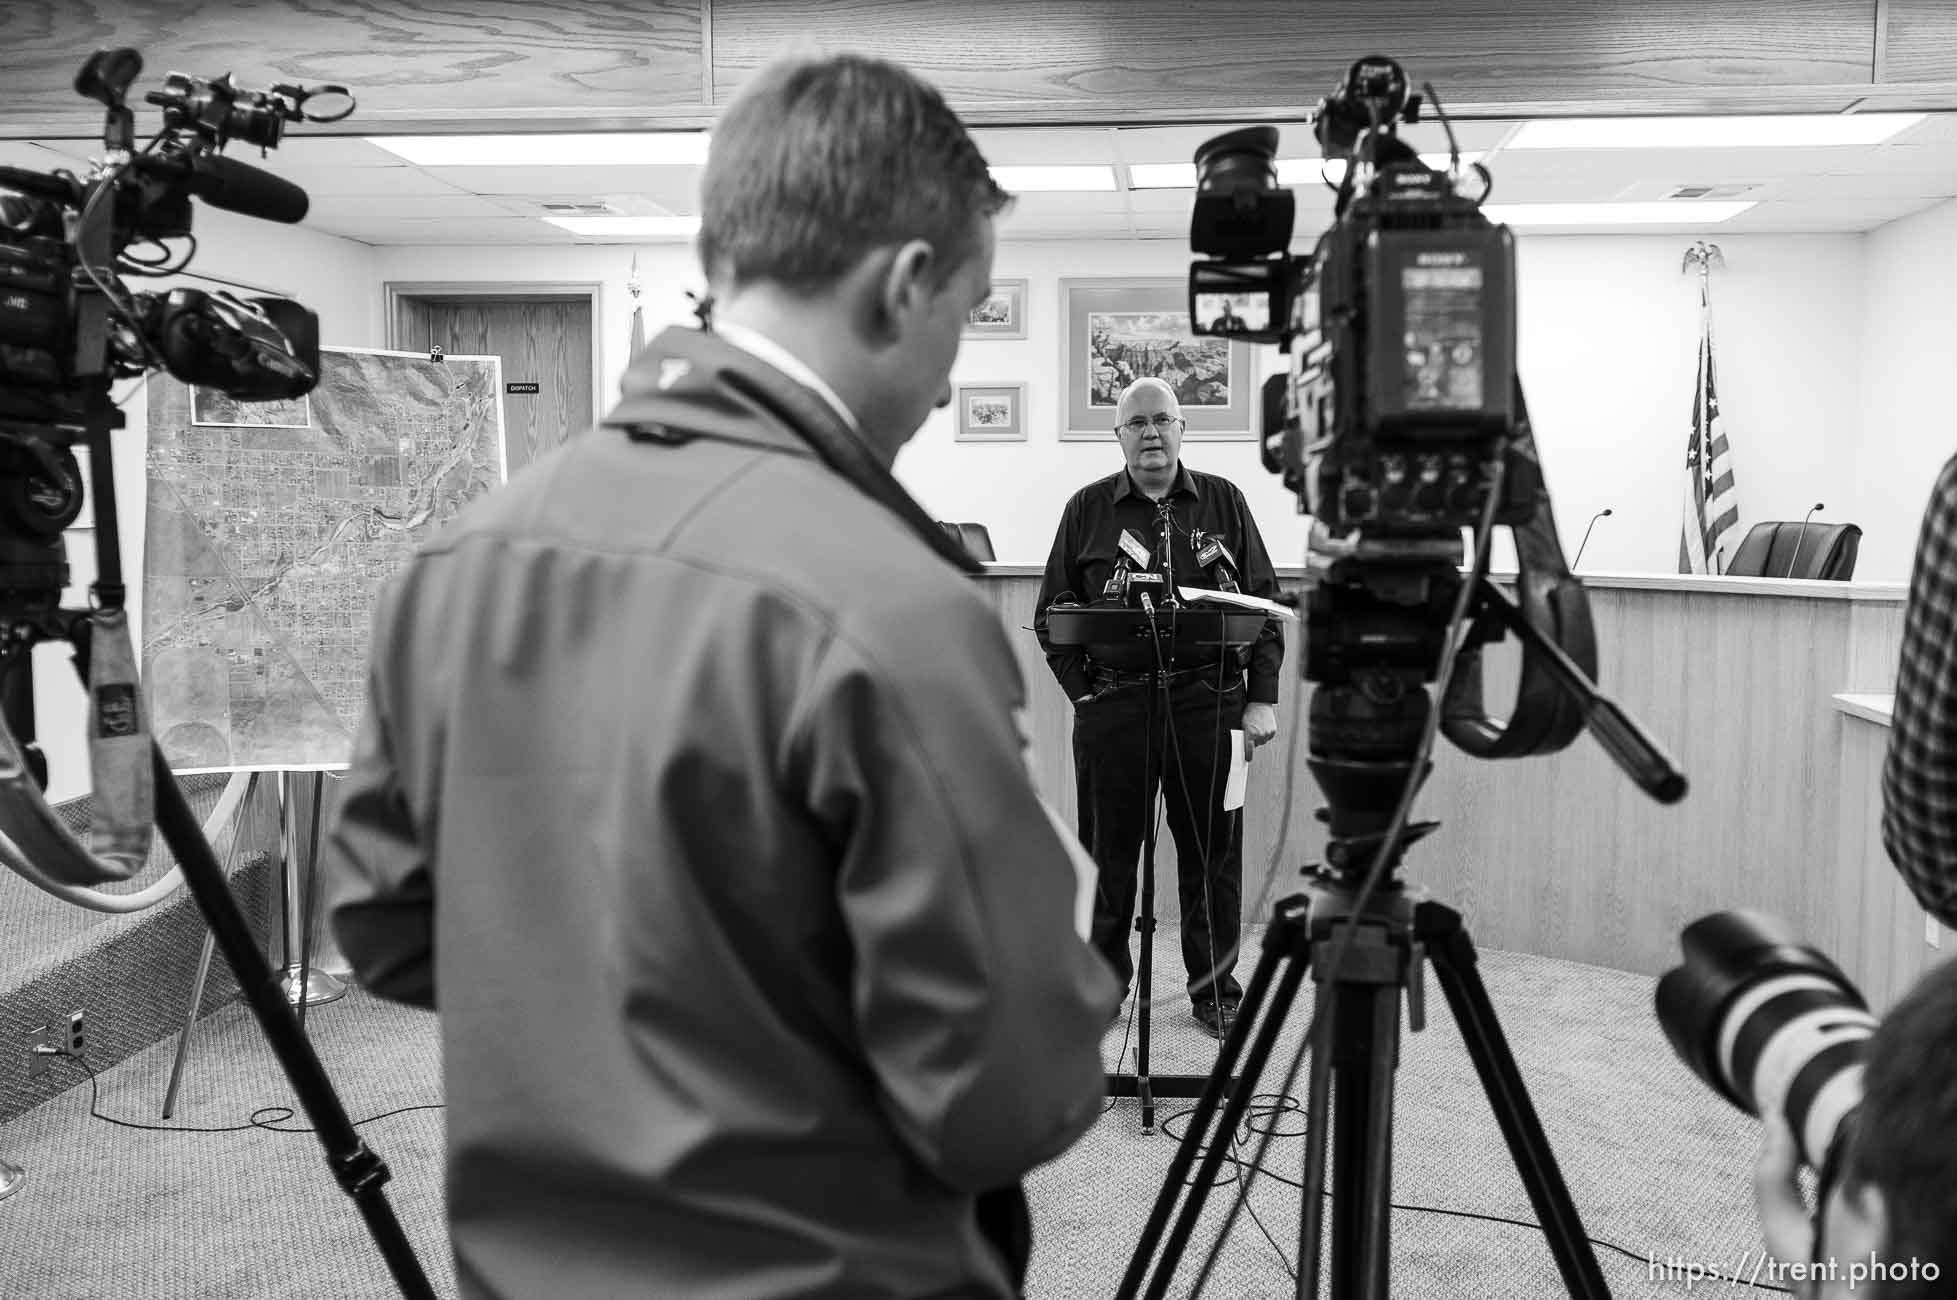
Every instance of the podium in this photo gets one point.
(1177, 633)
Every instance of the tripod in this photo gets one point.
(1358, 1012)
(32, 574)
(1379, 944)
(1178, 634)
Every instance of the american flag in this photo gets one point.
(1712, 501)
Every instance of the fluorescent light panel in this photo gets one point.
(641, 227)
(1681, 212)
(1794, 130)
(1290, 171)
(1051, 179)
(619, 149)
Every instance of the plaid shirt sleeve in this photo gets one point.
(1919, 776)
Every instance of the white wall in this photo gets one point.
(1608, 345)
(1829, 368)
(1905, 427)
(334, 277)
(1608, 356)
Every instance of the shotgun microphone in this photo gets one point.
(1586, 536)
(1802, 536)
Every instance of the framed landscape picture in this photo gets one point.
(1115, 331)
(990, 412)
(1002, 315)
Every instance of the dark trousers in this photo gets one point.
(1193, 722)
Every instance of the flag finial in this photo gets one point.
(632, 283)
(1704, 256)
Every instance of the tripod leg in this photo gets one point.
(1453, 955)
(1318, 1113)
(1218, 1134)
(1362, 1139)
(361, 1173)
(189, 1024)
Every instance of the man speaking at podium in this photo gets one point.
(1154, 524)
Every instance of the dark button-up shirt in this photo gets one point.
(1087, 549)
(1919, 778)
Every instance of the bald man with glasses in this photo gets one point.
(1111, 539)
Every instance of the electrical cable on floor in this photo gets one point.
(1264, 1114)
(269, 1119)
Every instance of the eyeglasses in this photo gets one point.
(1141, 424)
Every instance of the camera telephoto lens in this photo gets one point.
(1770, 1023)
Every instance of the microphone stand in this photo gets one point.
(1586, 537)
(1802, 536)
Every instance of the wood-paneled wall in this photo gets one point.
(1562, 855)
(598, 64)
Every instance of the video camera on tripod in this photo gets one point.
(69, 327)
(1401, 423)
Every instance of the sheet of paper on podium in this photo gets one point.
(1199, 594)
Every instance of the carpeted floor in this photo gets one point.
(1656, 1163)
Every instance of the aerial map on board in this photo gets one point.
(271, 528)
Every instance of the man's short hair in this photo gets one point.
(1905, 1133)
(818, 161)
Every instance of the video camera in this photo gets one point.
(1405, 380)
(70, 326)
(1401, 422)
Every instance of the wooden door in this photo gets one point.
(544, 340)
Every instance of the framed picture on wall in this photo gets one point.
(990, 412)
(1002, 315)
(1115, 331)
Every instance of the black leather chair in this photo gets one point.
(1784, 549)
(973, 537)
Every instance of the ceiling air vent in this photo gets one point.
(1709, 192)
(579, 209)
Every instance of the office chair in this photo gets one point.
(1784, 549)
(973, 537)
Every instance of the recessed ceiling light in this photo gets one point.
(1303, 170)
(1290, 171)
(620, 149)
(1792, 130)
(630, 227)
(1054, 179)
(1681, 213)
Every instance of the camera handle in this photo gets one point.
(1628, 744)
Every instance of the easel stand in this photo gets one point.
(1180, 634)
(299, 888)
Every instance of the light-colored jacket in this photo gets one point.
(690, 794)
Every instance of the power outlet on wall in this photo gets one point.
(67, 1036)
(73, 1038)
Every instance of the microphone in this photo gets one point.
(1163, 513)
(1802, 536)
(1586, 536)
(247, 190)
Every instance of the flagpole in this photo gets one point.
(638, 339)
(1702, 256)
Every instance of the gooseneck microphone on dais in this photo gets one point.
(1802, 536)
(1586, 535)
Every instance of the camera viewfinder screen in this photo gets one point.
(1223, 312)
(1443, 344)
